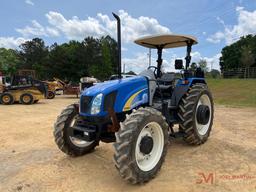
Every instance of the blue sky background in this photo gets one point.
(215, 23)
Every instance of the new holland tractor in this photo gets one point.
(138, 113)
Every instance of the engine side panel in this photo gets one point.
(131, 95)
(138, 98)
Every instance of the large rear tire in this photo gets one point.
(62, 134)
(141, 145)
(196, 113)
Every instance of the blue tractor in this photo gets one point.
(138, 113)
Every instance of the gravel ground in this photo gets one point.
(30, 160)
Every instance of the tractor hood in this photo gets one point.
(112, 85)
(121, 95)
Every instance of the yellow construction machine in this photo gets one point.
(21, 89)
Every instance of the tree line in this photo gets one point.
(69, 61)
(239, 54)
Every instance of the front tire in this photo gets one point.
(62, 134)
(196, 113)
(6, 99)
(141, 145)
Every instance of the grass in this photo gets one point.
(233, 92)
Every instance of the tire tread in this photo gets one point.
(122, 148)
(186, 112)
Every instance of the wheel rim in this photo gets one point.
(6, 99)
(147, 162)
(50, 94)
(75, 141)
(204, 100)
(26, 99)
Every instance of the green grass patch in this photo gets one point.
(233, 92)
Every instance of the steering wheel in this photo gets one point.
(155, 71)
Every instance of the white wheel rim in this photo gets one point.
(204, 100)
(147, 162)
(78, 142)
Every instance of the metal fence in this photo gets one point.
(243, 73)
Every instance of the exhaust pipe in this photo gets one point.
(118, 44)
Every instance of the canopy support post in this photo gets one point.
(159, 60)
(188, 57)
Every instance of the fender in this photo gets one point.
(182, 89)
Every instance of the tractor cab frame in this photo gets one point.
(161, 42)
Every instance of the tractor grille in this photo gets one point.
(85, 104)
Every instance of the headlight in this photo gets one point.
(96, 104)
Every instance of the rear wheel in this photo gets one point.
(196, 112)
(63, 134)
(26, 99)
(141, 145)
(50, 95)
(6, 99)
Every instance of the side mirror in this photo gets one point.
(178, 64)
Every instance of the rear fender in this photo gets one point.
(181, 89)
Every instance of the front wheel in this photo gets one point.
(51, 95)
(196, 113)
(63, 134)
(6, 99)
(141, 145)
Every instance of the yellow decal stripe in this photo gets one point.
(128, 103)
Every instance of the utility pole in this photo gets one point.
(124, 69)
(149, 57)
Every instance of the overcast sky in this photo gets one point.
(215, 23)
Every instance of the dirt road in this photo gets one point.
(30, 160)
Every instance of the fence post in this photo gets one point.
(244, 72)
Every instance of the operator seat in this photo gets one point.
(166, 80)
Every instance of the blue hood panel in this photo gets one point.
(131, 92)
(109, 86)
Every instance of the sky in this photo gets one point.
(215, 24)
